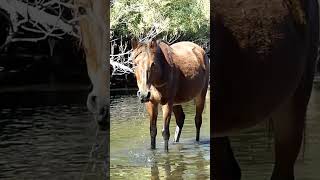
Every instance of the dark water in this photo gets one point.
(131, 156)
(253, 148)
(49, 136)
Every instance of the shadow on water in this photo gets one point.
(49, 136)
(131, 155)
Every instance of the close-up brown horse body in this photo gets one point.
(169, 76)
(263, 69)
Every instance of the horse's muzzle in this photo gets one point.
(144, 96)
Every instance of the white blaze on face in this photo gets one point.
(143, 74)
(146, 80)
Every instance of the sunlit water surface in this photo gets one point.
(131, 156)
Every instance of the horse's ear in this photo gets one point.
(153, 43)
(134, 43)
(167, 52)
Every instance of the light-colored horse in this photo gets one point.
(170, 75)
(264, 62)
(95, 37)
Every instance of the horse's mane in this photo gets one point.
(161, 40)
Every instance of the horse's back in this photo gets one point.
(261, 53)
(190, 58)
(192, 67)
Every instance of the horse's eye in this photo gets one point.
(134, 65)
(82, 10)
(152, 65)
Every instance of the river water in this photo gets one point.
(53, 136)
(130, 153)
(49, 136)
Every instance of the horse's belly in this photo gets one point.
(190, 87)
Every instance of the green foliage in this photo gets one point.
(135, 18)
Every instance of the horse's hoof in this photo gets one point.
(166, 147)
(197, 139)
(153, 146)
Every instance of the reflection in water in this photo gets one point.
(132, 157)
(49, 136)
(177, 171)
(167, 168)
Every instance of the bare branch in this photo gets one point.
(37, 15)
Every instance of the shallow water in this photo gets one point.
(253, 148)
(49, 136)
(53, 136)
(130, 153)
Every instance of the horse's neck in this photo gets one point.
(166, 71)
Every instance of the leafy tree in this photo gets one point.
(136, 18)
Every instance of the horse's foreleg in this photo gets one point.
(180, 116)
(288, 122)
(225, 166)
(198, 118)
(153, 114)
(166, 110)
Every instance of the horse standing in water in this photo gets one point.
(93, 15)
(170, 75)
(264, 62)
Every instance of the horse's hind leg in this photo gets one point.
(288, 122)
(180, 116)
(289, 127)
(225, 166)
(200, 101)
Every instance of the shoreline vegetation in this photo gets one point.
(80, 87)
(55, 88)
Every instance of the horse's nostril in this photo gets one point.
(92, 102)
(138, 93)
(148, 95)
(103, 111)
(93, 99)
(90, 87)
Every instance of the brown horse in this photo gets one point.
(264, 60)
(170, 75)
(93, 27)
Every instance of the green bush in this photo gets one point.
(135, 18)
